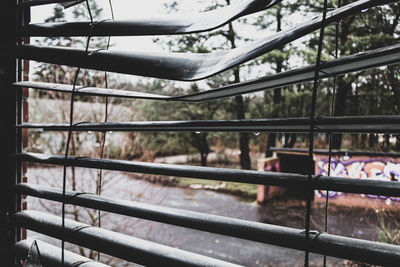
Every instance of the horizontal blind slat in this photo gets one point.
(115, 244)
(145, 252)
(348, 124)
(349, 185)
(50, 255)
(184, 66)
(357, 62)
(172, 24)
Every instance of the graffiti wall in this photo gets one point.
(387, 169)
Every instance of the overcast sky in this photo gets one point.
(123, 9)
(128, 9)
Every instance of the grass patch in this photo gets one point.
(246, 191)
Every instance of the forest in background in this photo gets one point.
(372, 92)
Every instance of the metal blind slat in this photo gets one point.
(365, 124)
(358, 62)
(205, 21)
(189, 67)
(145, 252)
(184, 66)
(349, 185)
(112, 243)
(49, 255)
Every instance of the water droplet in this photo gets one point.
(197, 132)
(256, 133)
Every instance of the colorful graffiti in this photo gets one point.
(378, 169)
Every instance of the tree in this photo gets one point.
(279, 61)
(176, 143)
(366, 93)
(200, 111)
(227, 38)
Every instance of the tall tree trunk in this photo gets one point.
(390, 76)
(270, 143)
(363, 141)
(203, 159)
(202, 146)
(340, 105)
(371, 140)
(397, 147)
(277, 92)
(343, 87)
(395, 86)
(245, 162)
(292, 140)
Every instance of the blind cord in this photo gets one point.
(310, 191)
(100, 183)
(71, 124)
(330, 133)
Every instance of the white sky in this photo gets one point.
(128, 9)
(123, 9)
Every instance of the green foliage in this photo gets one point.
(370, 92)
(178, 143)
(220, 39)
(246, 191)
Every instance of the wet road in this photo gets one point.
(230, 249)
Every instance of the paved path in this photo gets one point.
(235, 250)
